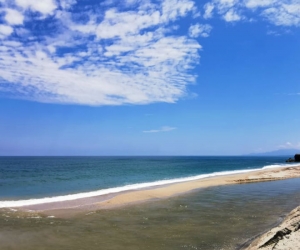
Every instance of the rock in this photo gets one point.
(290, 160)
(295, 159)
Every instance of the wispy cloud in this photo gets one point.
(208, 10)
(162, 129)
(114, 53)
(198, 29)
(102, 54)
(277, 12)
(288, 145)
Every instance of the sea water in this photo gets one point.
(65, 178)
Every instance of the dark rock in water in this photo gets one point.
(295, 159)
(290, 160)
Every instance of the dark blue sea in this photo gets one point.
(23, 178)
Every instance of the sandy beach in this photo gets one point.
(71, 208)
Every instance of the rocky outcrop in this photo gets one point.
(295, 159)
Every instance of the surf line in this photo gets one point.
(70, 197)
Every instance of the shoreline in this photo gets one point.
(284, 236)
(131, 187)
(125, 198)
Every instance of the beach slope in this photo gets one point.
(284, 237)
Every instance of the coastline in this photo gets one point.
(125, 198)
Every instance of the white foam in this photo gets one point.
(70, 197)
(281, 165)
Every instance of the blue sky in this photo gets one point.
(146, 77)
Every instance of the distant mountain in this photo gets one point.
(280, 152)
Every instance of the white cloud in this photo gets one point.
(121, 24)
(277, 12)
(226, 4)
(14, 17)
(259, 3)
(284, 14)
(43, 6)
(232, 16)
(208, 10)
(5, 30)
(66, 4)
(113, 54)
(227, 9)
(108, 56)
(200, 30)
(172, 9)
(162, 129)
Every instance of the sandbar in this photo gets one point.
(85, 205)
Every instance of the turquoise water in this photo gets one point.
(37, 177)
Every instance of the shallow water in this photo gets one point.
(213, 218)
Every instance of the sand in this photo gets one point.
(284, 237)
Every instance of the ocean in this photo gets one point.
(214, 218)
(61, 178)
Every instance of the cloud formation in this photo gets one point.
(162, 129)
(200, 30)
(112, 52)
(13, 17)
(107, 53)
(277, 12)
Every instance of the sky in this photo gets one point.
(148, 77)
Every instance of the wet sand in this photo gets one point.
(72, 208)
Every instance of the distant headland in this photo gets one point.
(279, 152)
